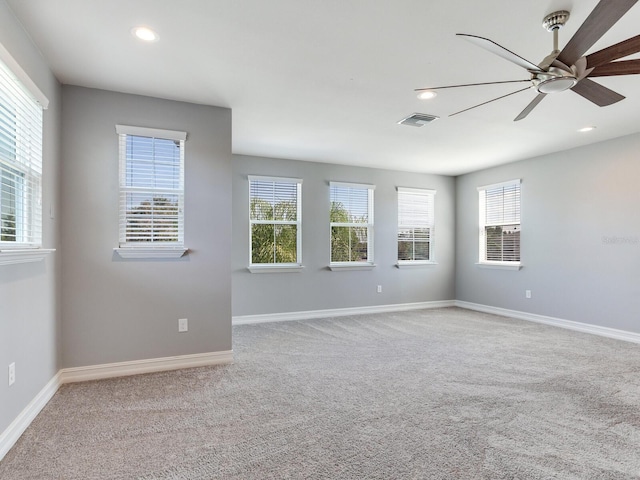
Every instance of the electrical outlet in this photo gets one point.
(12, 373)
(379, 288)
(527, 293)
(183, 325)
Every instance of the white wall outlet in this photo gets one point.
(183, 325)
(527, 293)
(379, 288)
(12, 373)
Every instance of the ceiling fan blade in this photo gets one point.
(623, 67)
(489, 101)
(530, 107)
(470, 85)
(499, 50)
(614, 52)
(596, 93)
(599, 21)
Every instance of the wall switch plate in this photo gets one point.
(527, 293)
(379, 288)
(183, 325)
(12, 373)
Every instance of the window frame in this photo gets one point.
(277, 267)
(429, 196)
(142, 249)
(369, 225)
(514, 219)
(23, 122)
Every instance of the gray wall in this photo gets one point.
(318, 288)
(580, 236)
(29, 293)
(116, 310)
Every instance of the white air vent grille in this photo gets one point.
(417, 119)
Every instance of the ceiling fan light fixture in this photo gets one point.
(427, 95)
(556, 84)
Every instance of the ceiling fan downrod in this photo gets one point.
(553, 22)
(555, 78)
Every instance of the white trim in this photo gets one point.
(136, 367)
(416, 191)
(343, 266)
(508, 183)
(23, 78)
(151, 132)
(352, 185)
(500, 265)
(27, 255)
(337, 312)
(260, 178)
(10, 436)
(415, 263)
(275, 268)
(556, 322)
(151, 252)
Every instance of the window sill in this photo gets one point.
(501, 265)
(409, 264)
(335, 267)
(151, 252)
(275, 268)
(28, 255)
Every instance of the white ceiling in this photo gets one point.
(327, 80)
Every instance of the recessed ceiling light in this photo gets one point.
(145, 33)
(586, 129)
(426, 95)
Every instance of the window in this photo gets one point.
(151, 192)
(275, 222)
(351, 218)
(415, 225)
(500, 223)
(20, 165)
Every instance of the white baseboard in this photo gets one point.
(337, 312)
(95, 372)
(12, 433)
(556, 322)
(136, 367)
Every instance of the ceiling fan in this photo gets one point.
(567, 68)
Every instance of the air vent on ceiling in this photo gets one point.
(417, 119)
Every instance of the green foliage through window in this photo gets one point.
(351, 217)
(274, 221)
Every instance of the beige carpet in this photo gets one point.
(431, 394)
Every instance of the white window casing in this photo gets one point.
(275, 224)
(351, 225)
(499, 224)
(151, 192)
(21, 123)
(416, 226)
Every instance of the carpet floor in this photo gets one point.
(430, 394)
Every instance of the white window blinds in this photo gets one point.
(416, 218)
(500, 222)
(20, 164)
(351, 218)
(151, 187)
(275, 221)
